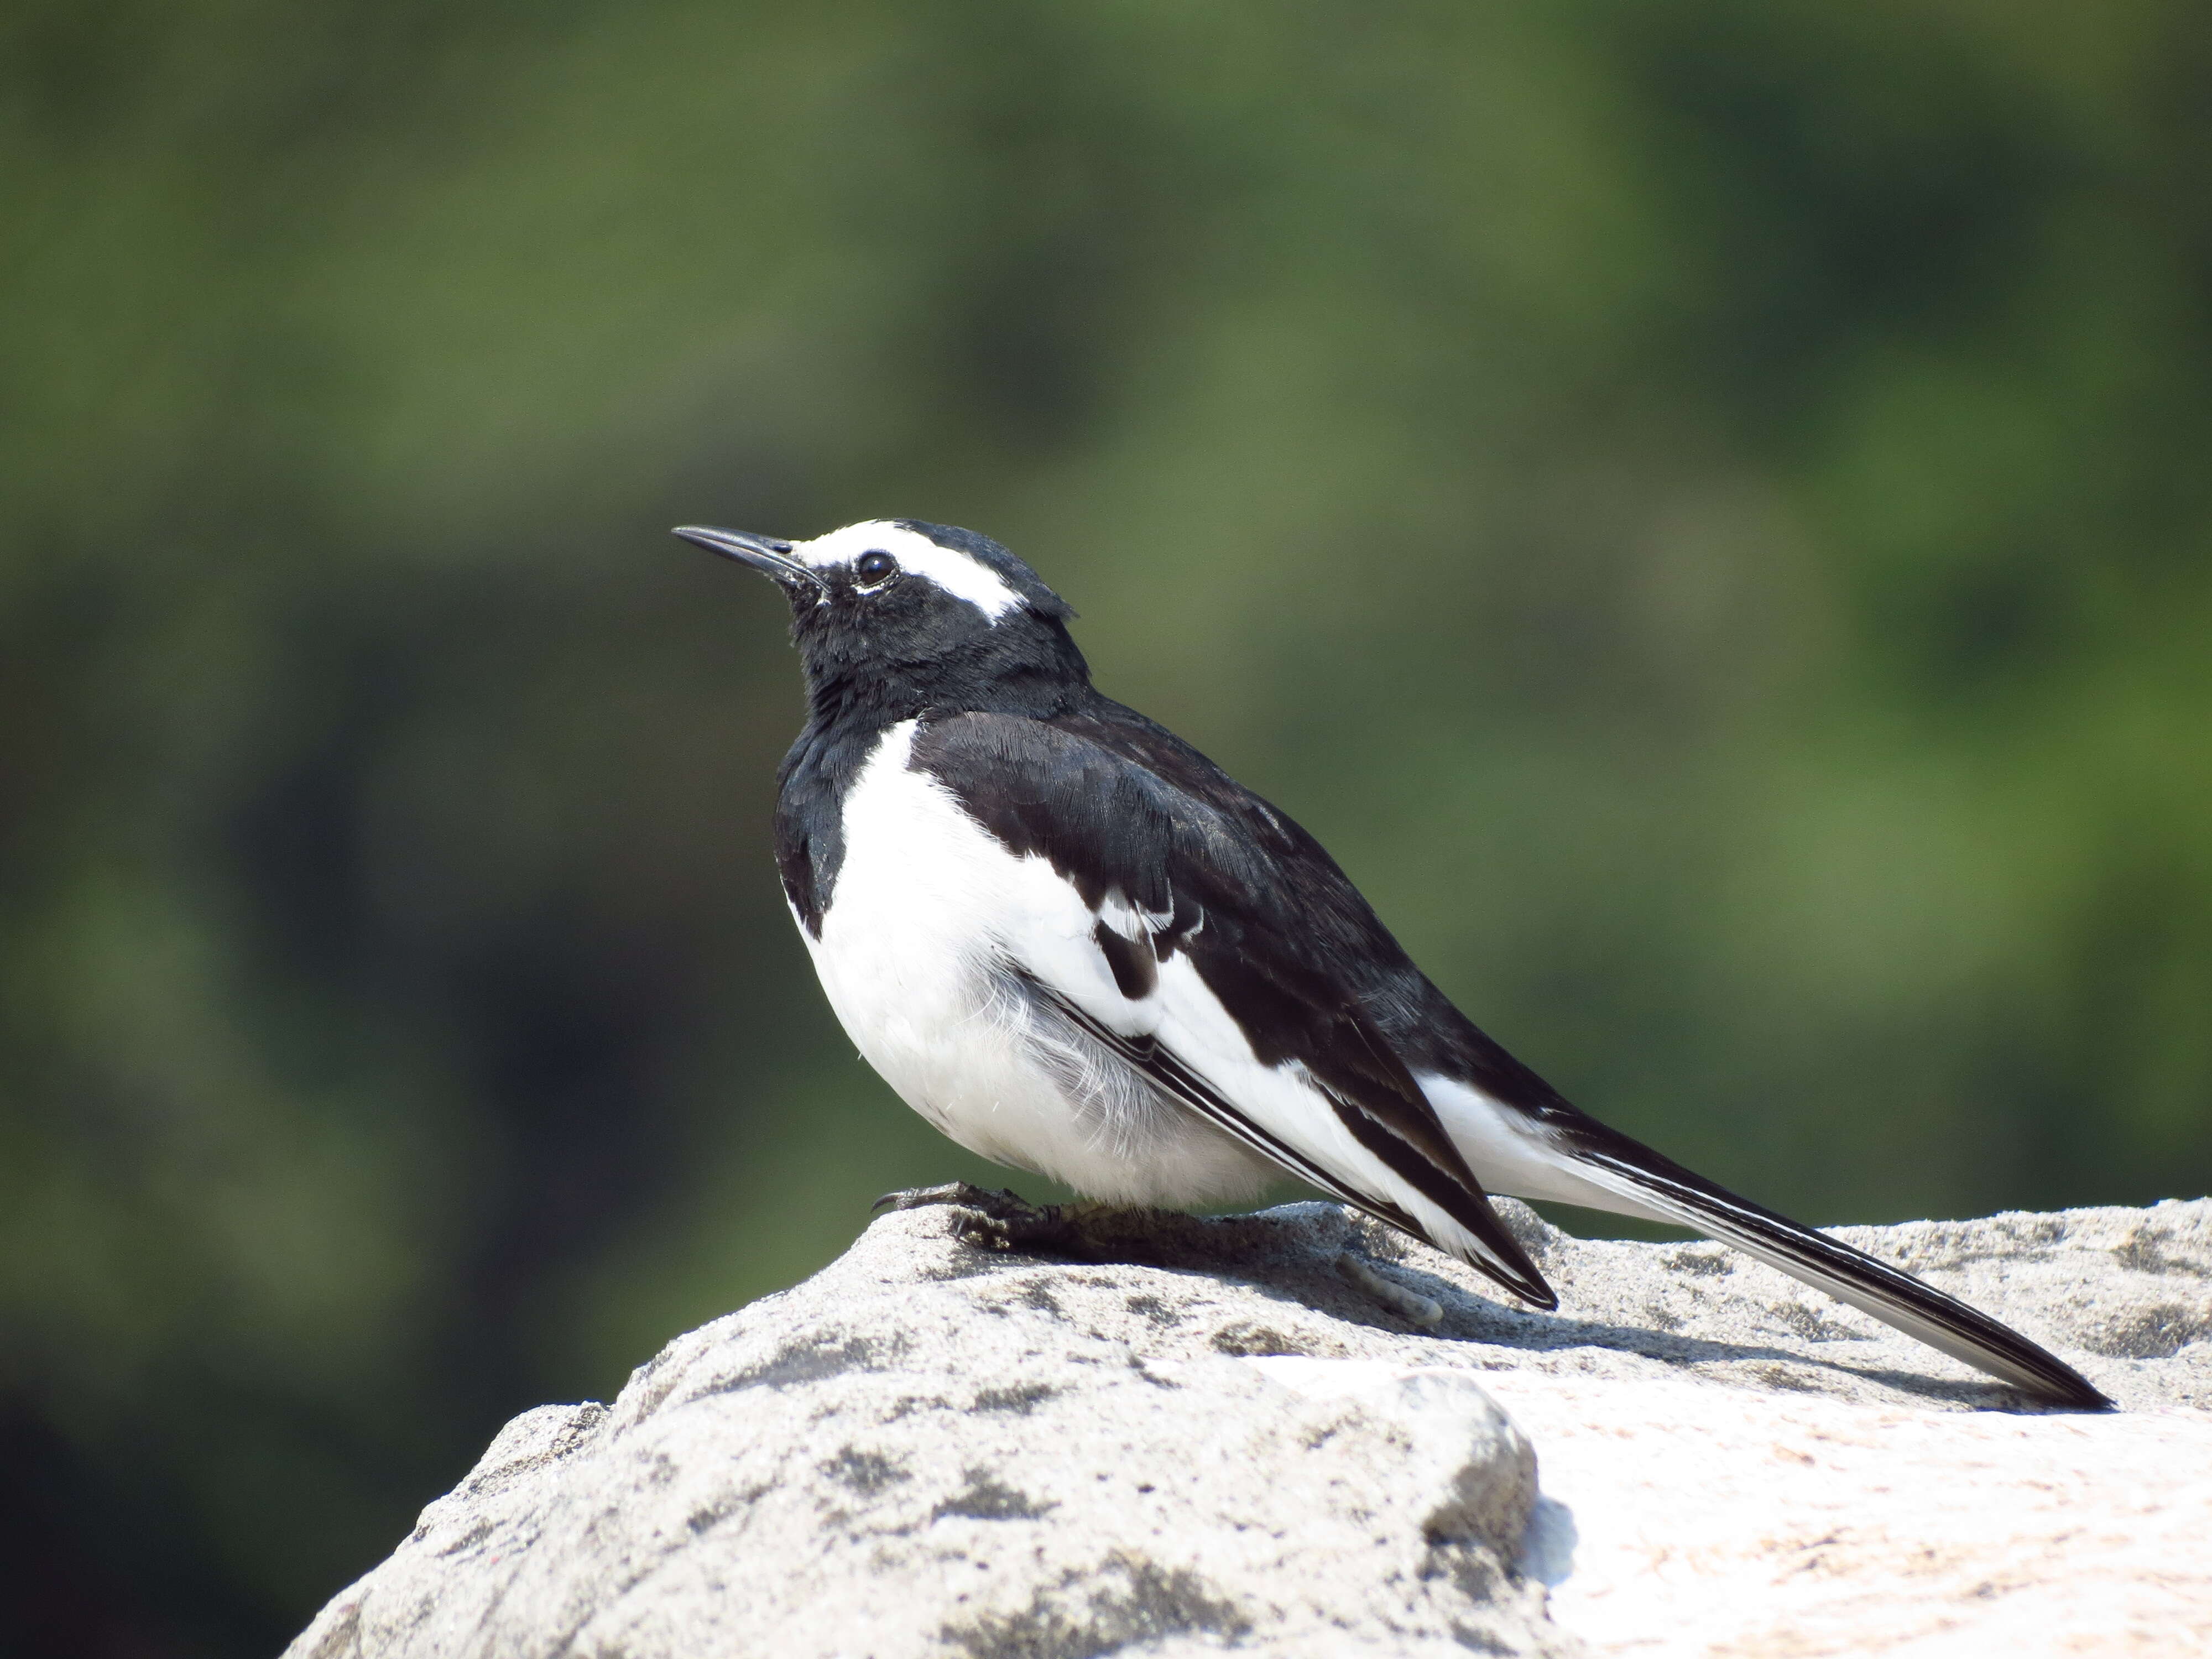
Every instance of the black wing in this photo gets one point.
(1174, 858)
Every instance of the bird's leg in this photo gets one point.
(1005, 1220)
(965, 1193)
(999, 1221)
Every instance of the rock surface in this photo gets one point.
(1232, 1440)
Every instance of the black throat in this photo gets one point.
(867, 676)
(867, 672)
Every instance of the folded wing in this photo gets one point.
(1213, 946)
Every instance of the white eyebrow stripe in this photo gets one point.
(953, 571)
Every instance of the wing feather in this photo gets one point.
(1224, 955)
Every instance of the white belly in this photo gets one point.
(924, 917)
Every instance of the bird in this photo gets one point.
(1076, 946)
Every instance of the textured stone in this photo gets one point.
(931, 1448)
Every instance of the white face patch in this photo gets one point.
(955, 572)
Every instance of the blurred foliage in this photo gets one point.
(1703, 507)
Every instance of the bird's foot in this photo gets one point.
(1004, 1220)
(965, 1193)
(1094, 1230)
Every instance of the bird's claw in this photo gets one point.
(1000, 1203)
(997, 1219)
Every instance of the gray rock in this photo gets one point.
(1227, 1439)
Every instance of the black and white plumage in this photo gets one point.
(1077, 946)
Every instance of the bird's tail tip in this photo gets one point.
(1865, 1282)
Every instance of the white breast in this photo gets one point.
(926, 913)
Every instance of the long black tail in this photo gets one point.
(1662, 1189)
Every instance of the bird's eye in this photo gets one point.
(875, 567)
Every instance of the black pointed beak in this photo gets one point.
(765, 554)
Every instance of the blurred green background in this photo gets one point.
(1707, 509)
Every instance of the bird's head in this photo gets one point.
(895, 617)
